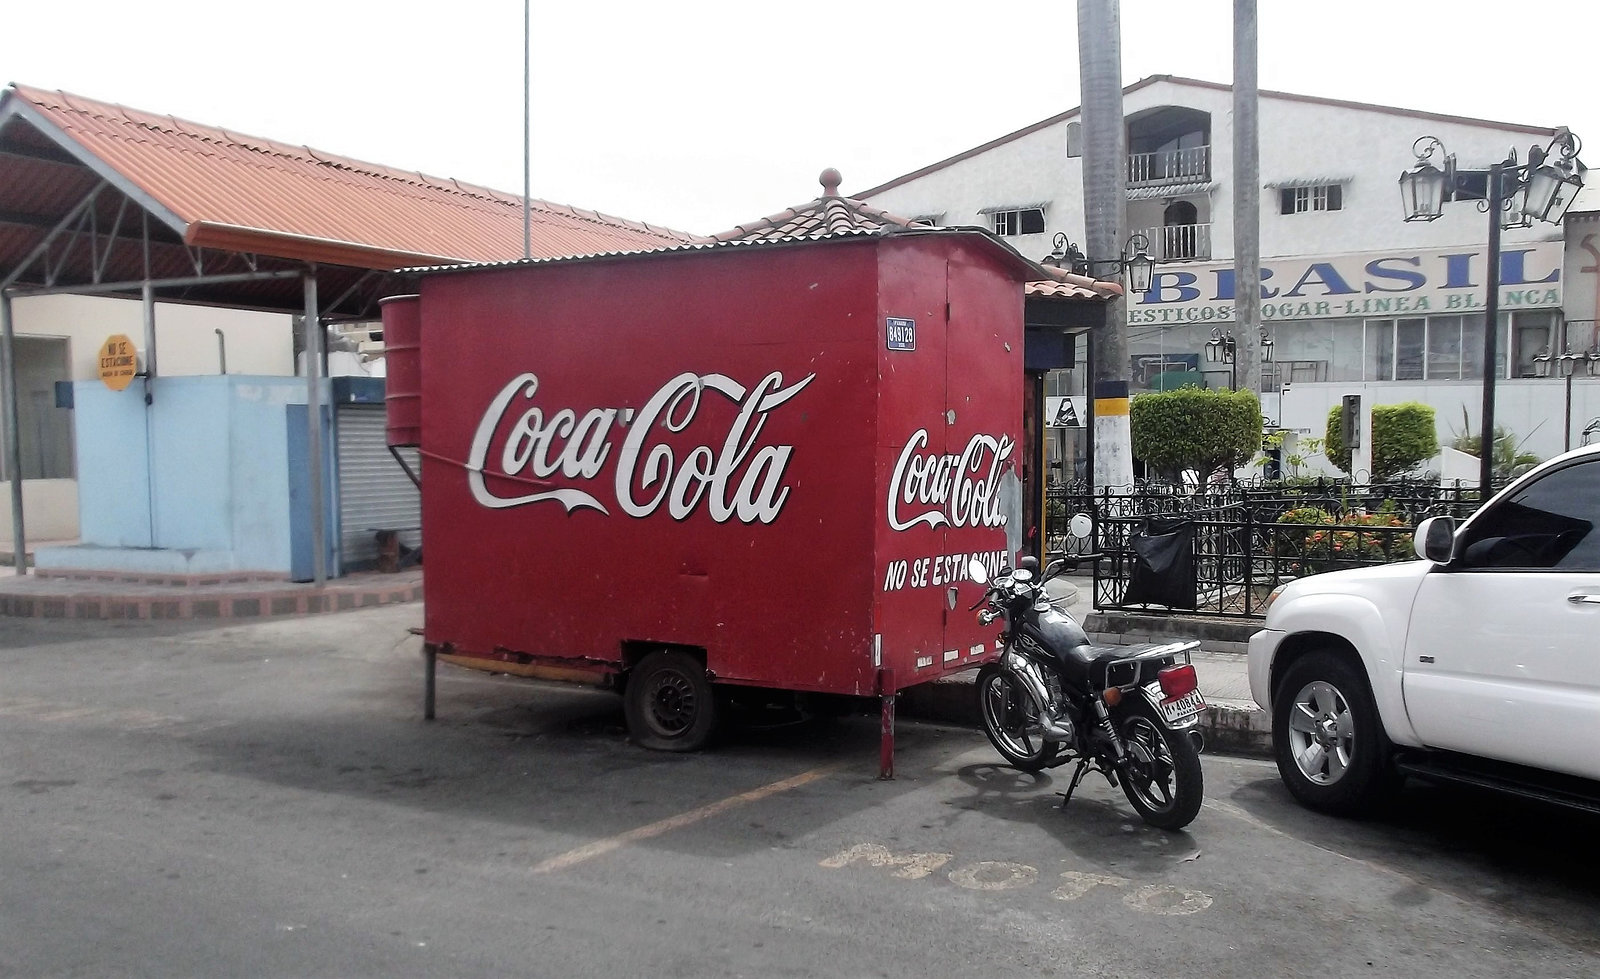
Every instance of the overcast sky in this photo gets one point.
(701, 114)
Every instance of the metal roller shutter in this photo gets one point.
(374, 492)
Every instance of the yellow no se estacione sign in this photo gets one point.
(119, 362)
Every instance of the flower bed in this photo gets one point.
(1310, 540)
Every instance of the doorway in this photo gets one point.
(45, 429)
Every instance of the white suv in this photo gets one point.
(1479, 664)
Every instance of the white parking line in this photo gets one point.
(602, 847)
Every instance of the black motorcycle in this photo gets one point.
(1127, 712)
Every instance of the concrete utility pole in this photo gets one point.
(1105, 203)
(1246, 200)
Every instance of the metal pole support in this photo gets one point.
(430, 670)
(312, 328)
(1491, 334)
(886, 695)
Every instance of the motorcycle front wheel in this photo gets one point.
(1162, 778)
(1011, 720)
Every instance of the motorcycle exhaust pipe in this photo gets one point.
(1198, 739)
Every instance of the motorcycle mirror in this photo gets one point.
(977, 572)
(1080, 526)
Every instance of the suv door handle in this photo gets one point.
(1583, 598)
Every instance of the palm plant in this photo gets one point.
(1508, 461)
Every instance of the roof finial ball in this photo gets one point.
(830, 182)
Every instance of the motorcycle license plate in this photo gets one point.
(1185, 706)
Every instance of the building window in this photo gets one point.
(1321, 197)
(1022, 221)
(1410, 342)
(1306, 351)
(1446, 360)
(1532, 334)
(1450, 348)
(1380, 350)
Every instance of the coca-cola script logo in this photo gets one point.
(943, 490)
(731, 473)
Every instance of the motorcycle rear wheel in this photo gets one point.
(1162, 779)
(1011, 720)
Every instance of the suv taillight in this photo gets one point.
(1177, 681)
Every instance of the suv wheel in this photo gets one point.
(1327, 736)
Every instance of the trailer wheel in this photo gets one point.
(668, 702)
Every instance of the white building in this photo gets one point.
(1355, 299)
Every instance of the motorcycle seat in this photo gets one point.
(1088, 664)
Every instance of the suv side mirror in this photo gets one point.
(1435, 539)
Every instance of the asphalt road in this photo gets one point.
(265, 800)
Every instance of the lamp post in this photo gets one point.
(1220, 349)
(1140, 268)
(1223, 348)
(1513, 195)
(1569, 365)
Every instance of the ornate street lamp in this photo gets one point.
(1422, 188)
(1140, 265)
(1513, 195)
(1222, 348)
(1135, 260)
(1551, 186)
(1065, 255)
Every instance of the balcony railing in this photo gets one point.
(1180, 242)
(1169, 166)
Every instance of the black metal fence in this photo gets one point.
(1221, 551)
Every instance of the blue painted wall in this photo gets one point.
(189, 462)
(113, 466)
(203, 469)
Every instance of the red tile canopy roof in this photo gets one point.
(225, 190)
(834, 214)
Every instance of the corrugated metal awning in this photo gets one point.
(221, 189)
(996, 208)
(1170, 190)
(1305, 182)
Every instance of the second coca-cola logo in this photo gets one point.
(949, 490)
(733, 475)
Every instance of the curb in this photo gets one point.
(100, 599)
(1228, 729)
(1126, 628)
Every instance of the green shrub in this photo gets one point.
(1195, 428)
(1403, 436)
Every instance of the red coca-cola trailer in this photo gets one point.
(717, 468)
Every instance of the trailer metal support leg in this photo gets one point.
(430, 657)
(886, 694)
